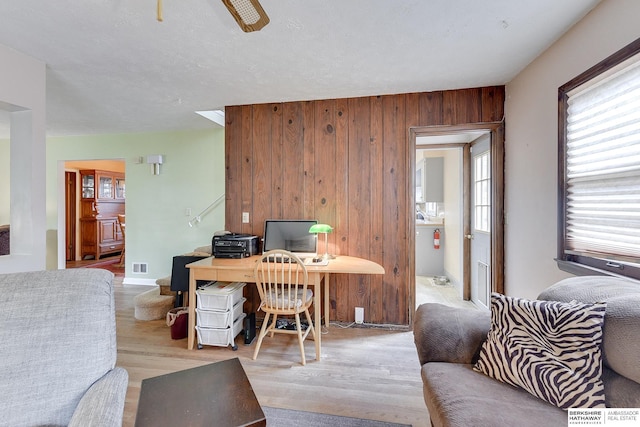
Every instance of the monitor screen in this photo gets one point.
(291, 235)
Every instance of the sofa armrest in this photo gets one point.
(449, 334)
(103, 404)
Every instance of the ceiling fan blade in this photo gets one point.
(249, 14)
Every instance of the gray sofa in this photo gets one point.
(58, 351)
(449, 339)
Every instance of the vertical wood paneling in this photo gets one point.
(375, 313)
(359, 237)
(309, 171)
(344, 162)
(276, 144)
(396, 181)
(246, 168)
(292, 166)
(263, 155)
(233, 168)
(325, 164)
(413, 114)
(430, 108)
(468, 106)
(340, 282)
(490, 97)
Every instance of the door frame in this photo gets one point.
(496, 130)
(70, 200)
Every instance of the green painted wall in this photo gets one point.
(192, 176)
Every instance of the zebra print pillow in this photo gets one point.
(551, 349)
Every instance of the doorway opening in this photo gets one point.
(447, 244)
(95, 193)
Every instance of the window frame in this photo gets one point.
(479, 194)
(580, 264)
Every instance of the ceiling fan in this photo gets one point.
(249, 14)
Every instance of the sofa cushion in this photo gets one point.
(549, 348)
(58, 335)
(621, 343)
(456, 395)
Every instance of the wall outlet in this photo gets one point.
(245, 217)
(359, 314)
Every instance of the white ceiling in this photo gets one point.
(112, 68)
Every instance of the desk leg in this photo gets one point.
(191, 301)
(317, 321)
(326, 300)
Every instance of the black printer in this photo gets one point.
(234, 245)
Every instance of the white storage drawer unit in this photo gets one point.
(220, 336)
(219, 295)
(219, 313)
(219, 318)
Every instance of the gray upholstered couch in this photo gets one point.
(58, 350)
(448, 341)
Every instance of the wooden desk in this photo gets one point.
(241, 270)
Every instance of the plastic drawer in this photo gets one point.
(220, 337)
(222, 296)
(218, 318)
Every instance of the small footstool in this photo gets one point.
(151, 305)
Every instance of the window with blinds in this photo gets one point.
(599, 142)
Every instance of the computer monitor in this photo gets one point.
(291, 235)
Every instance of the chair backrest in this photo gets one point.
(282, 280)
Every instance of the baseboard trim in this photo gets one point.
(137, 281)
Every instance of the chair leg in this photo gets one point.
(263, 332)
(121, 260)
(300, 339)
(313, 329)
(274, 324)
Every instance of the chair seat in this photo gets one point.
(282, 300)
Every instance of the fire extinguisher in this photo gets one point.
(436, 239)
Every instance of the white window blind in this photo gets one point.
(603, 166)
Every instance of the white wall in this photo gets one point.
(531, 141)
(22, 94)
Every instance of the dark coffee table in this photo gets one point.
(218, 394)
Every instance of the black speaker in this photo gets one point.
(249, 328)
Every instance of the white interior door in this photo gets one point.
(480, 263)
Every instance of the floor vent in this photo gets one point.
(140, 267)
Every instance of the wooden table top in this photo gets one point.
(340, 264)
(215, 394)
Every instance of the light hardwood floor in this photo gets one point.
(370, 373)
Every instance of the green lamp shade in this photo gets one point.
(320, 228)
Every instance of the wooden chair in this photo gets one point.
(122, 225)
(282, 281)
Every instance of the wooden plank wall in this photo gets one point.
(344, 162)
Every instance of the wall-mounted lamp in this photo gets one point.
(323, 229)
(155, 160)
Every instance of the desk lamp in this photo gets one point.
(323, 229)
